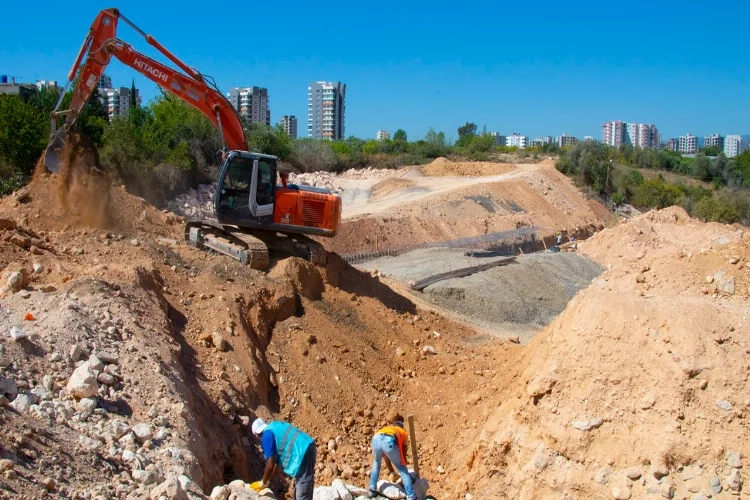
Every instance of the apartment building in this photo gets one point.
(326, 107)
(714, 140)
(500, 140)
(541, 141)
(687, 144)
(105, 82)
(252, 103)
(289, 125)
(733, 146)
(517, 140)
(641, 135)
(671, 145)
(565, 140)
(117, 102)
(383, 135)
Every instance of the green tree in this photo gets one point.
(268, 140)
(370, 147)
(466, 134)
(23, 137)
(400, 135)
(711, 151)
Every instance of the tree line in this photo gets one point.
(722, 193)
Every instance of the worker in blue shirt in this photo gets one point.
(291, 449)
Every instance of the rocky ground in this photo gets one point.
(131, 365)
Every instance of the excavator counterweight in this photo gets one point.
(252, 212)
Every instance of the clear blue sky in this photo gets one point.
(536, 68)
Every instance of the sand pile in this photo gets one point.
(441, 167)
(640, 386)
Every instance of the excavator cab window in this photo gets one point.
(266, 182)
(235, 192)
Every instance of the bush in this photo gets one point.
(657, 193)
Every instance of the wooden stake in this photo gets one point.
(413, 443)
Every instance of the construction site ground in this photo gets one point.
(638, 388)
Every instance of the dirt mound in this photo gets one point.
(641, 384)
(387, 186)
(441, 167)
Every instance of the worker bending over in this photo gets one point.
(389, 443)
(291, 449)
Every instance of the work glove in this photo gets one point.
(257, 486)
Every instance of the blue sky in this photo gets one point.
(537, 68)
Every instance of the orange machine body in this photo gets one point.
(299, 207)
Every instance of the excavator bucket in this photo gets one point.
(53, 156)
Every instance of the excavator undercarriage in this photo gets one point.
(251, 247)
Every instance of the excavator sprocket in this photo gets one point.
(240, 246)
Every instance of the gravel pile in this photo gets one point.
(531, 291)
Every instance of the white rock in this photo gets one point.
(75, 352)
(144, 476)
(38, 268)
(724, 405)
(331, 445)
(95, 363)
(325, 493)
(142, 432)
(585, 425)
(428, 350)
(87, 405)
(390, 490)
(734, 480)
(170, 489)
(119, 428)
(82, 384)
(128, 456)
(106, 378)
(733, 459)
(21, 404)
(17, 334)
(342, 491)
(621, 492)
(134, 242)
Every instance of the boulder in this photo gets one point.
(390, 490)
(326, 493)
(22, 403)
(171, 489)
(342, 490)
(82, 383)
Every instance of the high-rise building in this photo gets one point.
(733, 146)
(566, 140)
(117, 102)
(500, 140)
(48, 84)
(612, 133)
(251, 103)
(638, 134)
(383, 135)
(105, 82)
(517, 140)
(714, 140)
(688, 144)
(289, 124)
(671, 145)
(326, 106)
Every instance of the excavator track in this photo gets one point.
(240, 246)
(317, 253)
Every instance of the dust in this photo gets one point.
(83, 186)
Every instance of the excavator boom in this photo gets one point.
(100, 45)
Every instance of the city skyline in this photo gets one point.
(254, 103)
(681, 83)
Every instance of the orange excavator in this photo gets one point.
(253, 212)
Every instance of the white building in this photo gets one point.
(733, 146)
(383, 135)
(117, 101)
(565, 140)
(638, 134)
(714, 140)
(688, 144)
(50, 84)
(517, 140)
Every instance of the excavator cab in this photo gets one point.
(246, 189)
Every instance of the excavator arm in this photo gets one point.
(100, 45)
